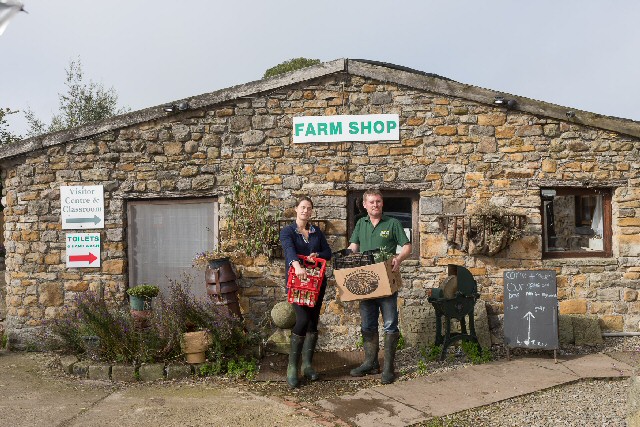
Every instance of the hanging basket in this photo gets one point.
(482, 234)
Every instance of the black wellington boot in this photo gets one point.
(294, 360)
(371, 347)
(390, 346)
(308, 348)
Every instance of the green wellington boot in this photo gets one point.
(390, 346)
(308, 348)
(370, 364)
(294, 360)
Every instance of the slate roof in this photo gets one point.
(358, 67)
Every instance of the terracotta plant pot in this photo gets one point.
(194, 344)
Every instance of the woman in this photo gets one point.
(302, 238)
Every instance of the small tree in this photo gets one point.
(251, 226)
(6, 136)
(81, 104)
(290, 65)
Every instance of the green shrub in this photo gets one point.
(432, 353)
(475, 353)
(144, 291)
(401, 342)
(211, 369)
(241, 368)
(121, 340)
(290, 65)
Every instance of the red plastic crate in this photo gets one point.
(307, 292)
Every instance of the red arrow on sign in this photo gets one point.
(79, 258)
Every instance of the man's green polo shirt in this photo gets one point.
(387, 234)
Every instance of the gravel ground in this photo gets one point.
(584, 403)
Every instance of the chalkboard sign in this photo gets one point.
(531, 309)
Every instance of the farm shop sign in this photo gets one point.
(370, 127)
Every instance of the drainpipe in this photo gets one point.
(621, 334)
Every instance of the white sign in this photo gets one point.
(82, 206)
(370, 127)
(83, 249)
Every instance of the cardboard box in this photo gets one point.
(369, 281)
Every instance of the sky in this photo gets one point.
(581, 54)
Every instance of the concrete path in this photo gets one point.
(409, 402)
(30, 395)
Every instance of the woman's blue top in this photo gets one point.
(294, 244)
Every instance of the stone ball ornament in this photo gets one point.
(283, 315)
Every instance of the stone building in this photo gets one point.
(166, 171)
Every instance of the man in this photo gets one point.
(378, 231)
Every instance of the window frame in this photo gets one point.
(131, 203)
(607, 222)
(414, 195)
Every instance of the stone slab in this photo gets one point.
(631, 358)
(99, 372)
(67, 363)
(123, 373)
(176, 372)
(151, 372)
(371, 408)
(80, 369)
(597, 366)
(474, 386)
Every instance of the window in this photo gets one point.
(576, 222)
(402, 205)
(165, 235)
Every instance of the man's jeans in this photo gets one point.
(371, 308)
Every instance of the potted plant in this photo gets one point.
(194, 345)
(140, 299)
(140, 296)
(211, 259)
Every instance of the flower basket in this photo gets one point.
(484, 233)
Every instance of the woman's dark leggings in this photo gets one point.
(307, 317)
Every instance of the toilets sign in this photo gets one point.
(83, 249)
(361, 128)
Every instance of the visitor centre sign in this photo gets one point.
(348, 128)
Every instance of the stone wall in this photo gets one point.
(456, 153)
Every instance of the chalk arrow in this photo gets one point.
(528, 316)
(79, 258)
(94, 220)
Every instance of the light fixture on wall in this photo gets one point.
(508, 103)
(170, 108)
